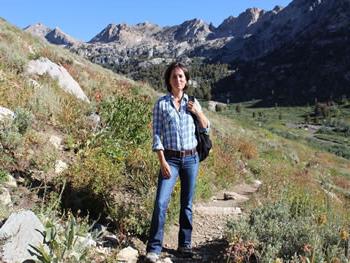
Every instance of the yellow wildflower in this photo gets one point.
(322, 219)
(344, 235)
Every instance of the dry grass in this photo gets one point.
(247, 149)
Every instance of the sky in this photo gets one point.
(83, 19)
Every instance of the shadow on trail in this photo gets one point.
(211, 251)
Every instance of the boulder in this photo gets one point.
(6, 113)
(128, 255)
(43, 66)
(20, 231)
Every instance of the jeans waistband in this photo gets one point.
(179, 154)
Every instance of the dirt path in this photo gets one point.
(209, 222)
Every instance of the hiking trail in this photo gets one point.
(209, 224)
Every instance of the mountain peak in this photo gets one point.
(38, 29)
(54, 36)
(192, 30)
(58, 37)
(238, 26)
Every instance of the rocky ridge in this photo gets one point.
(252, 34)
(54, 36)
(273, 39)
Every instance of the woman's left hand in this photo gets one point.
(193, 107)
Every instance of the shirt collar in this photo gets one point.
(184, 97)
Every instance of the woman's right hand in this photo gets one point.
(165, 169)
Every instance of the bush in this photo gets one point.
(289, 230)
(10, 138)
(220, 107)
(126, 120)
(23, 120)
(116, 169)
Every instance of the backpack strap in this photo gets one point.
(192, 98)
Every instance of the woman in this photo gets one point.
(175, 143)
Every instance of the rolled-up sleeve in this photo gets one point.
(207, 129)
(157, 128)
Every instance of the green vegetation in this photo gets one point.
(294, 230)
(327, 131)
(204, 76)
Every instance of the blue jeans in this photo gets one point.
(187, 169)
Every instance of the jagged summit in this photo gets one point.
(38, 29)
(58, 37)
(54, 36)
(252, 34)
(239, 26)
(195, 30)
(124, 33)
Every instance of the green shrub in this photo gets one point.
(117, 163)
(23, 120)
(219, 107)
(10, 138)
(126, 120)
(3, 176)
(287, 230)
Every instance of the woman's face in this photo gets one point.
(177, 80)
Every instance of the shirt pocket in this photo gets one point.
(170, 121)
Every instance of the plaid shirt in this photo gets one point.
(172, 129)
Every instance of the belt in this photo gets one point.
(179, 154)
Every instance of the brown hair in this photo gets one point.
(168, 71)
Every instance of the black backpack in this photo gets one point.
(204, 143)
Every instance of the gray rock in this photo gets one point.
(66, 82)
(128, 255)
(257, 183)
(10, 182)
(212, 106)
(56, 141)
(60, 166)
(20, 230)
(139, 245)
(235, 196)
(5, 197)
(6, 113)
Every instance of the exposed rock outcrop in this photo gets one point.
(20, 231)
(65, 80)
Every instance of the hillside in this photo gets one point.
(68, 153)
(312, 67)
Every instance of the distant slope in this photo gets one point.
(315, 66)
